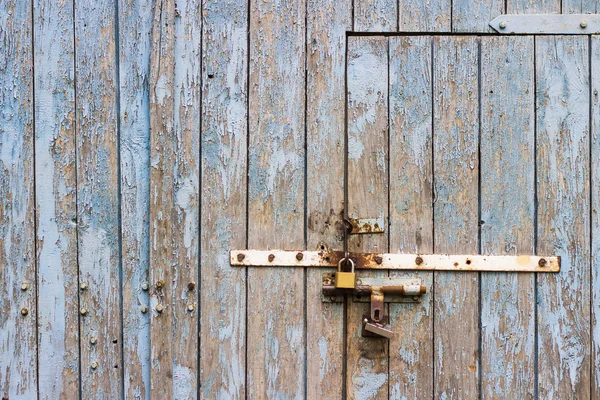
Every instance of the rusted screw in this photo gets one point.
(419, 260)
(83, 311)
(160, 308)
(83, 286)
(240, 257)
(378, 259)
(94, 365)
(144, 309)
(24, 286)
(542, 263)
(299, 256)
(93, 340)
(24, 311)
(191, 286)
(160, 283)
(190, 307)
(271, 257)
(145, 286)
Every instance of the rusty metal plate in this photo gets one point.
(365, 225)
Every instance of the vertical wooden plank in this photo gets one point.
(533, 6)
(579, 7)
(411, 210)
(327, 24)
(97, 198)
(186, 200)
(475, 16)
(224, 166)
(367, 358)
(276, 298)
(18, 348)
(424, 16)
(375, 15)
(507, 215)
(162, 165)
(595, 187)
(562, 101)
(456, 136)
(135, 24)
(58, 335)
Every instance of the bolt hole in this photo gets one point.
(322, 247)
(468, 262)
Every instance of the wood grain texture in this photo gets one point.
(411, 210)
(507, 215)
(424, 16)
(533, 7)
(375, 15)
(367, 358)
(276, 298)
(224, 166)
(98, 198)
(580, 6)
(58, 331)
(456, 136)
(475, 16)
(595, 188)
(562, 102)
(18, 347)
(326, 60)
(135, 25)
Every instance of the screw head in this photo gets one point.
(378, 259)
(160, 283)
(83, 311)
(160, 308)
(299, 256)
(24, 286)
(240, 257)
(542, 263)
(144, 309)
(24, 311)
(93, 340)
(191, 286)
(271, 257)
(145, 286)
(94, 365)
(419, 260)
(502, 24)
(190, 307)
(583, 24)
(83, 286)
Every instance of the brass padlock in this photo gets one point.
(345, 280)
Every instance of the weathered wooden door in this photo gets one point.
(141, 141)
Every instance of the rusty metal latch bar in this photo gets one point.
(553, 24)
(419, 262)
(357, 226)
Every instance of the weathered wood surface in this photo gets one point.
(327, 23)
(411, 210)
(375, 15)
(18, 347)
(424, 16)
(135, 26)
(595, 212)
(276, 209)
(474, 16)
(455, 160)
(367, 108)
(98, 199)
(563, 192)
(533, 6)
(224, 165)
(58, 331)
(507, 215)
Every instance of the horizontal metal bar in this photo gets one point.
(420, 262)
(365, 225)
(557, 24)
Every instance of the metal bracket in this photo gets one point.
(557, 24)
(357, 226)
(394, 289)
(417, 262)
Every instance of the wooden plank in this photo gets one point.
(562, 100)
(276, 298)
(533, 6)
(375, 15)
(507, 215)
(411, 210)
(580, 7)
(424, 16)
(327, 23)
(595, 187)
(135, 24)
(224, 166)
(456, 131)
(58, 331)
(367, 358)
(18, 347)
(98, 198)
(474, 16)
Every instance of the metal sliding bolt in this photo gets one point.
(83, 311)
(94, 365)
(160, 308)
(190, 307)
(145, 286)
(24, 286)
(502, 24)
(83, 286)
(24, 311)
(93, 340)
(583, 24)
(144, 309)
